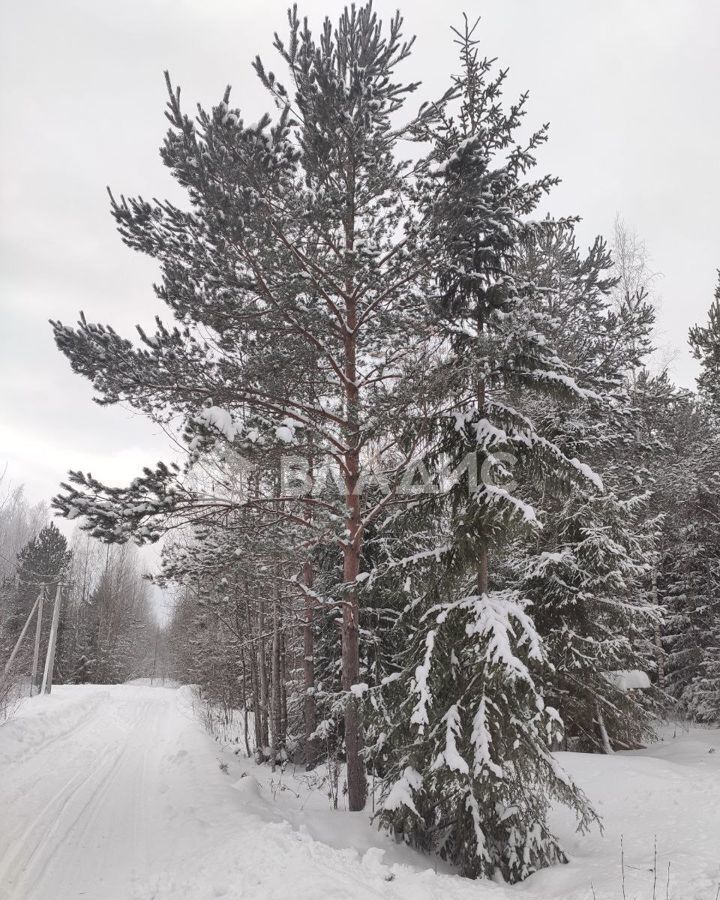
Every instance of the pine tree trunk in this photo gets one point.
(263, 676)
(254, 681)
(275, 724)
(283, 689)
(658, 636)
(357, 786)
(257, 713)
(604, 737)
(309, 706)
(245, 702)
(660, 657)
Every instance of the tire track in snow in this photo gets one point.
(85, 723)
(66, 818)
(49, 830)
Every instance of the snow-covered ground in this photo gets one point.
(117, 793)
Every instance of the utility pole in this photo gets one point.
(50, 658)
(36, 654)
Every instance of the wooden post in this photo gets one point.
(36, 653)
(50, 658)
(20, 639)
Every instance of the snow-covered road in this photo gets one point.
(93, 796)
(116, 793)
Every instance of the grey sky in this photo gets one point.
(630, 89)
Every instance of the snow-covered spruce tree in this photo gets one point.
(705, 344)
(690, 582)
(587, 585)
(682, 459)
(587, 570)
(463, 736)
(690, 587)
(680, 431)
(667, 426)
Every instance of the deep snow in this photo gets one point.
(117, 793)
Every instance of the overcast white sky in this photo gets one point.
(630, 88)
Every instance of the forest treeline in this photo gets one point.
(107, 630)
(437, 515)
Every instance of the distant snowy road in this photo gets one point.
(116, 793)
